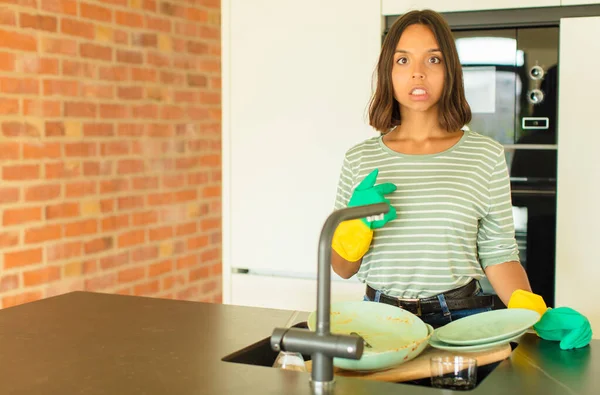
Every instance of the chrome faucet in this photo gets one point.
(321, 344)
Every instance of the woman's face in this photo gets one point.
(418, 70)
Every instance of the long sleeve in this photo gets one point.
(496, 236)
(344, 189)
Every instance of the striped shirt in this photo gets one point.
(454, 215)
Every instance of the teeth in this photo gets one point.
(418, 92)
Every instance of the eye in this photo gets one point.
(435, 60)
(402, 60)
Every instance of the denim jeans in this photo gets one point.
(445, 316)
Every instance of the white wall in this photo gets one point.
(578, 199)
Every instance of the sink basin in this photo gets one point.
(260, 354)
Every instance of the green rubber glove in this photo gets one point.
(566, 325)
(368, 193)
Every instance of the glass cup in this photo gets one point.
(290, 361)
(454, 372)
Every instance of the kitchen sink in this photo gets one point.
(261, 354)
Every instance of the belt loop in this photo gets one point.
(377, 296)
(444, 305)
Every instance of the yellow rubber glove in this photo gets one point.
(352, 239)
(521, 299)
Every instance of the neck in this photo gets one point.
(420, 125)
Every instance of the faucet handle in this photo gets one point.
(277, 339)
(308, 342)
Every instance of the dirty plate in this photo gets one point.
(487, 327)
(395, 335)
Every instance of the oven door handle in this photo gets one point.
(534, 192)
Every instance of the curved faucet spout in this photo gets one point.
(324, 272)
(321, 344)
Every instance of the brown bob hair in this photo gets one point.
(384, 109)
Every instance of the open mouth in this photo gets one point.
(418, 92)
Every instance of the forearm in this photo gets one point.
(342, 267)
(506, 278)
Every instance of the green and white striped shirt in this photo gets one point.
(454, 215)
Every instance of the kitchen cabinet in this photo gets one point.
(296, 86)
(579, 2)
(397, 7)
(578, 211)
(288, 293)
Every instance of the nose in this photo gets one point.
(416, 75)
(417, 72)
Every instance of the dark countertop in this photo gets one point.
(89, 343)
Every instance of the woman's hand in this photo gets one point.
(563, 324)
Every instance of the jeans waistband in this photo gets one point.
(456, 299)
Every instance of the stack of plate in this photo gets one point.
(483, 331)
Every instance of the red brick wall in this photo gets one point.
(110, 148)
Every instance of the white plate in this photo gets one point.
(487, 327)
(437, 343)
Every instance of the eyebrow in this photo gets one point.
(429, 50)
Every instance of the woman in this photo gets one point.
(451, 220)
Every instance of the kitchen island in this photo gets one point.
(91, 343)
